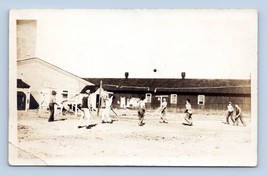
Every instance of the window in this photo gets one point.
(201, 99)
(173, 99)
(148, 97)
(65, 94)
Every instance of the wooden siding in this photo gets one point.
(212, 102)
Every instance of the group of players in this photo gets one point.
(86, 108)
(188, 111)
(238, 115)
(162, 109)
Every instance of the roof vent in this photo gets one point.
(183, 75)
(126, 74)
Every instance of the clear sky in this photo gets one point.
(107, 43)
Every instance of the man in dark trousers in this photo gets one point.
(141, 111)
(230, 111)
(238, 115)
(52, 104)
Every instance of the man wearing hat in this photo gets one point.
(230, 111)
(52, 104)
(86, 109)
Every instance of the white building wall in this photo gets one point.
(42, 77)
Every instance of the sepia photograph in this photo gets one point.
(133, 87)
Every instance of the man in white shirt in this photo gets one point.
(141, 111)
(163, 111)
(105, 115)
(86, 108)
(230, 111)
(188, 111)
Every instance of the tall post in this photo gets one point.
(160, 101)
(99, 100)
(76, 104)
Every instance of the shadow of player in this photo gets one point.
(63, 119)
(186, 124)
(90, 126)
(111, 122)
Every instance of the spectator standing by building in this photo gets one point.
(52, 104)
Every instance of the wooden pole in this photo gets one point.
(99, 100)
(76, 104)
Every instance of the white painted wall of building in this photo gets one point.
(43, 79)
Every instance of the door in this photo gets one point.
(21, 100)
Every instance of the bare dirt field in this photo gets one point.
(208, 142)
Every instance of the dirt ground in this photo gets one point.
(208, 142)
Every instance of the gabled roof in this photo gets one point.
(159, 85)
(35, 59)
(21, 84)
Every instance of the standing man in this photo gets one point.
(52, 104)
(163, 111)
(105, 115)
(141, 111)
(230, 111)
(86, 108)
(238, 115)
(188, 111)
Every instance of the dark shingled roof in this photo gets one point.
(159, 85)
(21, 84)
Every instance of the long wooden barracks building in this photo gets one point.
(209, 94)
